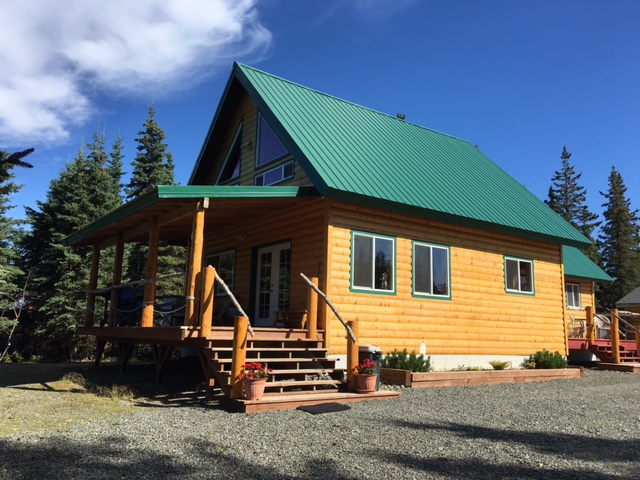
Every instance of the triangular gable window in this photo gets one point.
(270, 147)
(231, 166)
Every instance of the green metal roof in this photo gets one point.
(578, 265)
(359, 155)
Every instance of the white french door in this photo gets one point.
(273, 282)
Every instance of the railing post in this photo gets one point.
(615, 336)
(352, 357)
(207, 301)
(590, 326)
(89, 313)
(239, 357)
(312, 311)
(152, 271)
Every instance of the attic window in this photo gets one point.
(231, 166)
(518, 274)
(269, 146)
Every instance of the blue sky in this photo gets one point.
(519, 79)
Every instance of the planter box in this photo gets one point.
(483, 377)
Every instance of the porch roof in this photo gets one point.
(578, 265)
(175, 205)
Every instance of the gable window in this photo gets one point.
(518, 274)
(224, 263)
(275, 175)
(269, 146)
(573, 295)
(373, 262)
(231, 167)
(431, 272)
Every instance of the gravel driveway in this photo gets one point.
(585, 428)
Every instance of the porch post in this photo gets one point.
(352, 357)
(312, 311)
(207, 301)
(152, 272)
(590, 326)
(116, 279)
(239, 355)
(615, 336)
(89, 313)
(195, 263)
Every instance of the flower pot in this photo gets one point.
(366, 383)
(254, 388)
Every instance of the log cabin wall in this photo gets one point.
(480, 319)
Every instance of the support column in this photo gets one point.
(195, 263)
(239, 357)
(352, 357)
(89, 313)
(116, 279)
(312, 311)
(207, 301)
(152, 273)
(590, 326)
(615, 336)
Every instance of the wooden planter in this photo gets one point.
(483, 377)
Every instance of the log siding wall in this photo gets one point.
(480, 319)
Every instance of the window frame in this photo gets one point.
(579, 288)
(258, 180)
(219, 291)
(519, 290)
(372, 289)
(258, 165)
(235, 143)
(421, 244)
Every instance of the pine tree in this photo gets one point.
(619, 241)
(11, 283)
(569, 199)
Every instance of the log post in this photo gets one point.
(89, 313)
(116, 279)
(195, 263)
(239, 357)
(207, 301)
(352, 357)
(152, 271)
(615, 336)
(312, 311)
(590, 326)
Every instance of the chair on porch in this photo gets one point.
(290, 318)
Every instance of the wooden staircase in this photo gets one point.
(302, 375)
(603, 350)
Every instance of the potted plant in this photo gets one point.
(366, 376)
(254, 377)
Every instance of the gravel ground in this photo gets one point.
(587, 429)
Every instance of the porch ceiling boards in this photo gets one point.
(175, 206)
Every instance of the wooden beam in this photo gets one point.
(116, 279)
(352, 357)
(195, 264)
(89, 314)
(615, 336)
(590, 326)
(239, 355)
(207, 301)
(312, 311)
(152, 271)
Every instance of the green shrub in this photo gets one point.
(546, 359)
(498, 365)
(406, 361)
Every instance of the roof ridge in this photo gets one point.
(422, 127)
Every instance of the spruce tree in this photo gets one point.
(569, 199)
(619, 241)
(11, 275)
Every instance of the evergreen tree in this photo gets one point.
(569, 199)
(11, 284)
(619, 241)
(153, 166)
(116, 163)
(84, 191)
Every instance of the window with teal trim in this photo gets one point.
(270, 147)
(373, 262)
(431, 272)
(231, 167)
(518, 275)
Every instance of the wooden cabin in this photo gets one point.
(414, 234)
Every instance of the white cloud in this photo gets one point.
(54, 55)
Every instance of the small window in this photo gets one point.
(269, 146)
(518, 275)
(224, 263)
(574, 299)
(372, 263)
(431, 272)
(275, 175)
(231, 166)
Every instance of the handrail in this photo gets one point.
(136, 282)
(331, 306)
(235, 301)
(627, 324)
